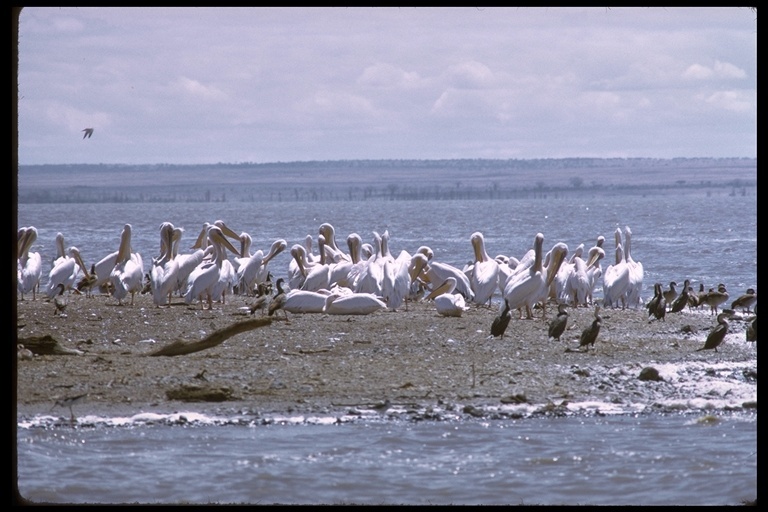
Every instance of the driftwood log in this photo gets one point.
(48, 345)
(181, 347)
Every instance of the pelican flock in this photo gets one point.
(366, 277)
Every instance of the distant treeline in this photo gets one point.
(392, 180)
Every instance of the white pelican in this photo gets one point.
(447, 301)
(65, 271)
(371, 278)
(399, 276)
(298, 267)
(524, 288)
(578, 285)
(253, 268)
(304, 301)
(616, 278)
(636, 273)
(189, 261)
(484, 278)
(165, 269)
(594, 269)
(435, 273)
(29, 265)
(203, 281)
(128, 274)
(319, 276)
(332, 251)
(561, 291)
(353, 304)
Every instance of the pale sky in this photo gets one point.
(230, 85)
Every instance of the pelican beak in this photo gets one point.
(203, 233)
(226, 243)
(439, 290)
(557, 260)
(278, 246)
(225, 229)
(595, 256)
(80, 262)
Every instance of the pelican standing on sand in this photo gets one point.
(636, 272)
(616, 279)
(484, 276)
(29, 264)
(128, 274)
(65, 271)
(204, 281)
(165, 269)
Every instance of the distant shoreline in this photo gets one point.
(351, 180)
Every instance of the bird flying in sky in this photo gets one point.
(88, 132)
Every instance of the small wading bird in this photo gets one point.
(23, 353)
(500, 323)
(88, 132)
(59, 301)
(717, 335)
(589, 335)
(714, 298)
(746, 301)
(671, 294)
(558, 324)
(69, 402)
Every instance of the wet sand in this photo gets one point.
(326, 364)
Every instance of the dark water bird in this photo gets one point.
(260, 302)
(717, 335)
(714, 298)
(589, 335)
(671, 294)
(751, 332)
(59, 300)
(558, 324)
(69, 402)
(88, 132)
(500, 323)
(657, 306)
(746, 301)
(682, 300)
(86, 283)
(278, 300)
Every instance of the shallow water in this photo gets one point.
(622, 460)
(648, 460)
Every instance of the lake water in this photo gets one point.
(689, 458)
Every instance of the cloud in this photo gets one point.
(387, 75)
(720, 70)
(195, 89)
(736, 101)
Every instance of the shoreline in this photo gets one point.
(415, 360)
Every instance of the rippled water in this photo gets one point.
(650, 460)
(602, 461)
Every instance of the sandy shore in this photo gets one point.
(324, 364)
